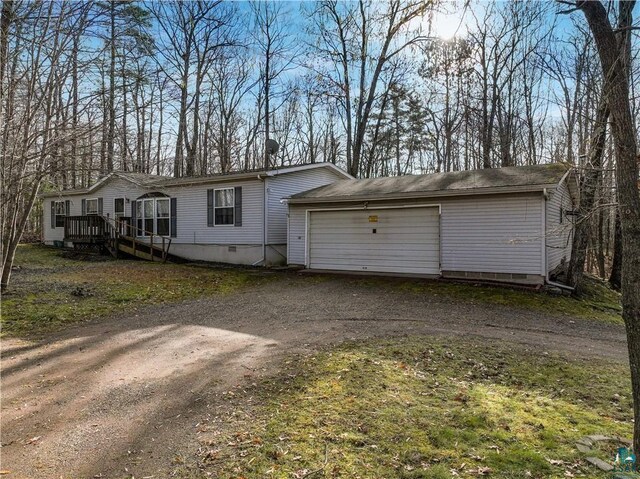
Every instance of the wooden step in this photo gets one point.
(132, 240)
(138, 253)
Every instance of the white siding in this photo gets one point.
(191, 203)
(559, 229)
(494, 234)
(49, 234)
(498, 233)
(114, 188)
(297, 235)
(282, 186)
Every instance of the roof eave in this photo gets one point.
(425, 194)
(311, 166)
(82, 191)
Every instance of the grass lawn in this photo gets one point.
(49, 290)
(599, 302)
(420, 408)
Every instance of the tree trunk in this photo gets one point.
(613, 59)
(124, 165)
(112, 90)
(588, 189)
(600, 246)
(615, 280)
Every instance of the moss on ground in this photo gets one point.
(599, 301)
(49, 290)
(421, 408)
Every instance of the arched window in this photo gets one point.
(152, 212)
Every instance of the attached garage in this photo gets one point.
(508, 224)
(384, 240)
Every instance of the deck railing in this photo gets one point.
(99, 229)
(123, 226)
(86, 229)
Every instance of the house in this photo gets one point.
(509, 224)
(234, 218)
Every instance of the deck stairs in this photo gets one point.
(117, 236)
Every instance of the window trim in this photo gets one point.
(142, 218)
(87, 206)
(157, 217)
(63, 214)
(232, 206)
(124, 206)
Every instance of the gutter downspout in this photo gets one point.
(264, 221)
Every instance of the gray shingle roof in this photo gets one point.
(145, 180)
(517, 178)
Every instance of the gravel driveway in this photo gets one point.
(123, 396)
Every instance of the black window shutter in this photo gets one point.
(209, 207)
(84, 207)
(99, 206)
(174, 217)
(53, 214)
(237, 203)
(67, 208)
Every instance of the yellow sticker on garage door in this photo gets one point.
(373, 218)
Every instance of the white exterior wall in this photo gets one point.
(559, 231)
(283, 186)
(196, 240)
(191, 203)
(497, 233)
(49, 234)
(114, 188)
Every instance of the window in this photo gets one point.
(153, 215)
(147, 211)
(92, 206)
(223, 206)
(139, 219)
(118, 207)
(60, 214)
(163, 210)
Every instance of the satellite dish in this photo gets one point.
(271, 146)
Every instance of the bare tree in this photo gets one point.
(277, 49)
(192, 35)
(35, 38)
(613, 46)
(346, 41)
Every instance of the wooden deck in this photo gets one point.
(116, 235)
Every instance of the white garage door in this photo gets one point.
(400, 240)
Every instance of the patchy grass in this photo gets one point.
(420, 408)
(49, 290)
(599, 302)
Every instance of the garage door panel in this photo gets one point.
(406, 240)
(411, 269)
(348, 258)
(329, 251)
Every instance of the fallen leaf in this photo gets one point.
(481, 471)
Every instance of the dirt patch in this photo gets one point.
(126, 396)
